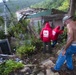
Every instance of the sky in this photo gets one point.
(2, 0)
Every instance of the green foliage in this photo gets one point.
(74, 17)
(39, 28)
(63, 37)
(9, 66)
(20, 32)
(49, 4)
(25, 50)
(15, 5)
(21, 27)
(2, 35)
(37, 43)
(1, 21)
(64, 6)
(55, 4)
(43, 4)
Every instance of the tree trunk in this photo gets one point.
(72, 7)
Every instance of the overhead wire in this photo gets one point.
(20, 21)
(9, 11)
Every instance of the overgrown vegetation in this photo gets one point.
(7, 67)
(2, 33)
(27, 44)
(63, 37)
(15, 5)
(25, 50)
(64, 6)
(20, 27)
(49, 4)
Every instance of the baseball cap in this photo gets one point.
(66, 18)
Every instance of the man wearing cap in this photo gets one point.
(70, 47)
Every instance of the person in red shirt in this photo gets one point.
(55, 33)
(45, 35)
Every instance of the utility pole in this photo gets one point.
(5, 19)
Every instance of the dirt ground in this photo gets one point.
(41, 57)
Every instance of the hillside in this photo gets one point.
(57, 4)
(15, 5)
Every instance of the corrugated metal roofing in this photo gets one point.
(43, 13)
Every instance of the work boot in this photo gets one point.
(53, 70)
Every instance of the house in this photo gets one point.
(38, 16)
(53, 16)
